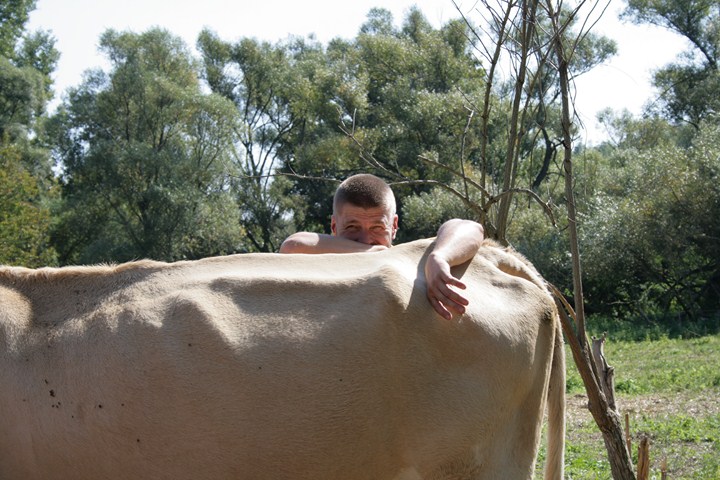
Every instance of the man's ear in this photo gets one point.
(394, 226)
(333, 225)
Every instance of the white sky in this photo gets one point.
(623, 83)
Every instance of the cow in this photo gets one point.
(269, 366)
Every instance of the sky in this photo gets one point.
(621, 83)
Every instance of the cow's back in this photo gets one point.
(270, 366)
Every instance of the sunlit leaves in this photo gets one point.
(24, 216)
(648, 243)
(147, 157)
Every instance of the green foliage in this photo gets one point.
(27, 188)
(21, 98)
(24, 216)
(379, 22)
(14, 14)
(152, 166)
(278, 90)
(531, 233)
(27, 61)
(648, 242)
(147, 158)
(400, 93)
(423, 214)
(692, 91)
(25, 85)
(691, 87)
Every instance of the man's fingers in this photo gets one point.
(447, 310)
(447, 301)
(440, 309)
(455, 283)
(443, 289)
(449, 295)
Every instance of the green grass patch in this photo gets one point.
(670, 388)
(654, 328)
(658, 366)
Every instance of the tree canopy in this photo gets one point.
(169, 154)
(690, 86)
(146, 157)
(27, 186)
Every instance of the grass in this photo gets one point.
(670, 389)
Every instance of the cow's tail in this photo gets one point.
(555, 461)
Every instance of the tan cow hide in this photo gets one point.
(268, 366)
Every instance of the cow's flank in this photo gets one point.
(269, 366)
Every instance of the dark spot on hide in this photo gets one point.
(99, 405)
(52, 393)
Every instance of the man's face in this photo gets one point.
(371, 226)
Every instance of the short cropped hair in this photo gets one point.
(365, 191)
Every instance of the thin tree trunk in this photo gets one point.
(528, 20)
(607, 418)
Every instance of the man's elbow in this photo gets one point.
(469, 228)
(290, 245)
(300, 242)
(479, 230)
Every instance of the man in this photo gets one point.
(364, 220)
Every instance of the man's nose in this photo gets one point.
(365, 237)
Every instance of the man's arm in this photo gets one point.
(308, 242)
(457, 242)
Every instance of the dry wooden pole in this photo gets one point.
(605, 371)
(643, 469)
(628, 440)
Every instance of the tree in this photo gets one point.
(399, 94)
(270, 91)
(593, 368)
(690, 88)
(27, 187)
(146, 157)
(24, 214)
(14, 14)
(649, 241)
(520, 115)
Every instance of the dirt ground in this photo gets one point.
(682, 458)
(655, 405)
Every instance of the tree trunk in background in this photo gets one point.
(605, 415)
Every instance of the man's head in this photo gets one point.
(364, 211)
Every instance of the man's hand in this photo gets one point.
(443, 297)
(456, 243)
